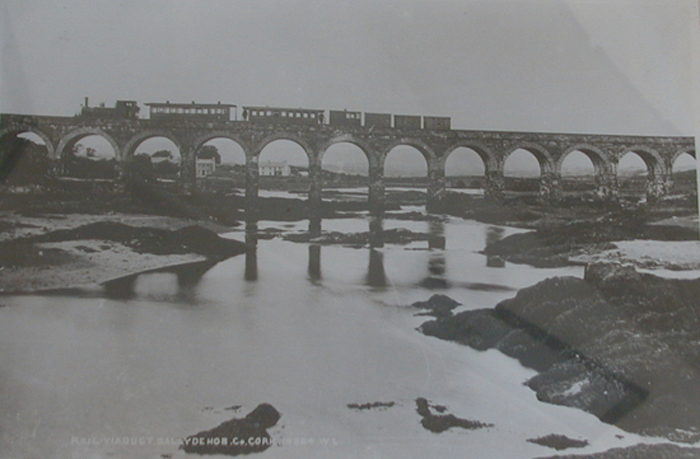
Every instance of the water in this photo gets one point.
(311, 330)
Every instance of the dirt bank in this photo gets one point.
(662, 451)
(562, 243)
(621, 345)
(44, 253)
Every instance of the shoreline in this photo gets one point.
(84, 263)
(32, 266)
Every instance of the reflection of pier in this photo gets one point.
(187, 277)
(314, 268)
(437, 263)
(251, 254)
(61, 134)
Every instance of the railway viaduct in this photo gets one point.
(60, 135)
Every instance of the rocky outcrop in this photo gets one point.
(621, 345)
(438, 305)
(191, 239)
(390, 236)
(659, 451)
(237, 436)
(441, 422)
(558, 442)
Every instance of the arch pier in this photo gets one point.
(493, 147)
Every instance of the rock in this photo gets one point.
(495, 261)
(439, 305)
(479, 329)
(622, 345)
(642, 451)
(237, 436)
(440, 422)
(601, 271)
(191, 239)
(558, 442)
(370, 406)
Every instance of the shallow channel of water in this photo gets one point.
(307, 329)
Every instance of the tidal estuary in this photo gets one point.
(308, 329)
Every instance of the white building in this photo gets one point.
(274, 169)
(205, 167)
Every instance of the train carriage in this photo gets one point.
(173, 111)
(437, 123)
(407, 122)
(284, 115)
(377, 120)
(345, 118)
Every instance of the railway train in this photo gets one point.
(128, 109)
(123, 109)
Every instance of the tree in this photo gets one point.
(210, 152)
(163, 155)
(141, 167)
(27, 161)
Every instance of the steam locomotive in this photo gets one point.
(128, 109)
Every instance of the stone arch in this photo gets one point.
(679, 153)
(285, 136)
(653, 160)
(74, 136)
(138, 139)
(352, 163)
(427, 152)
(486, 155)
(201, 140)
(431, 159)
(540, 153)
(346, 138)
(598, 157)
(16, 130)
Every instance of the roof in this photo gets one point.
(286, 109)
(187, 105)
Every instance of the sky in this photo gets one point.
(598, 66)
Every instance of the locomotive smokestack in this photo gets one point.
(86, 101)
